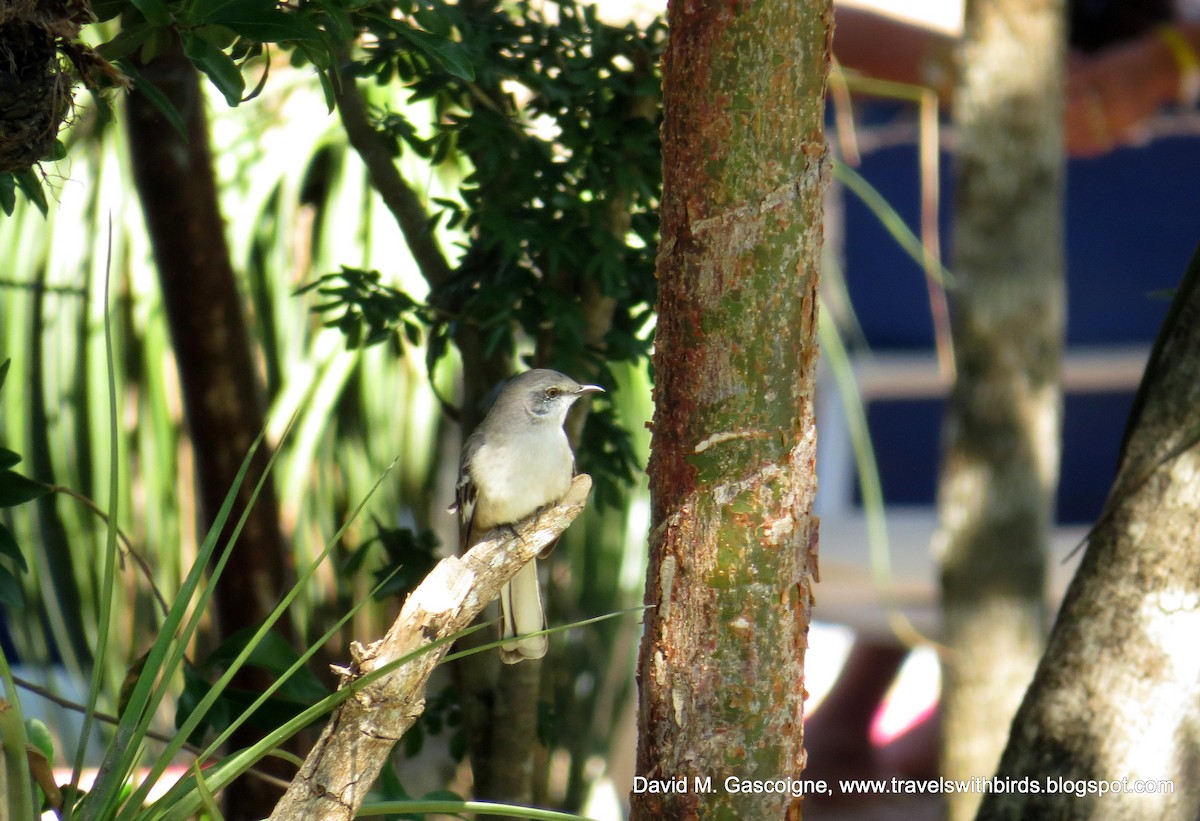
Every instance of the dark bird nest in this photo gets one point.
(35, 84)
(35, 95)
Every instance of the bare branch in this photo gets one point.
(355, 744)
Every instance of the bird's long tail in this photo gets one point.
(521, 612)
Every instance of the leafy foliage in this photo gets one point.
(28, 183)
(371, 312)
(272, 653)
(547, 173)
(549, 109)
(15, 489)
(409, 556)
(559, 201)
(390, 789)
(443, 713)
(546, 115)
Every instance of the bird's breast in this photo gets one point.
(515, 480)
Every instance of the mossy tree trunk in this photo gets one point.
(1116, 697)
(1001, 436)
(732, 546)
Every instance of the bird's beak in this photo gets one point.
(589, 389)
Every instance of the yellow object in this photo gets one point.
(1188, 63)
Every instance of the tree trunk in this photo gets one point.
(732, 545)
(1001, 433)
(1116, 697)
(222, 397)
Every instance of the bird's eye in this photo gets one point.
(551, 393)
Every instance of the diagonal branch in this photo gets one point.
(397, 194)
(337, 774)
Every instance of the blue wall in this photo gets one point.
(1132, 223)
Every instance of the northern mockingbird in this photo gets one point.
(516, 461)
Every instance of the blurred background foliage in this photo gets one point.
(528, 134)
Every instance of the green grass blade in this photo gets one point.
(206, 795)
(110, 543)
(179, 647)
(164, 657)
(181, 800)
(185, 802)
(868, 479)
(197, 715)
(890, 219)
(16, 761)
(453, 807)
(561, 628)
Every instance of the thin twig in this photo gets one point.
(125, 541)
(106, 718)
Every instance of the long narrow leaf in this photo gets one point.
(868, 480)
(110, 543)
(454, 807)
(179, 647)
(164, 656)
(182, 800)
(16, 760)
(182, 808)
(210, 698)
(890, 219)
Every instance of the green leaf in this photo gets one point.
(447, 53)
(15, 489)
(127, 42)
(108, 9)
(155, 11)
(218, 65)
(410, 556)
(161, 38)
(37, 734)
(195, 688)
(207, 799)
(4, 371)
(412, 332)
(10, 548)
(275, 655)
(437, 22)
(298, 690)
(10, 589)
(263, 20)
(8, 458)
(326, 84)
(8, 193)
(31, 186)
(59, 152)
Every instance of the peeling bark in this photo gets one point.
(732, 544)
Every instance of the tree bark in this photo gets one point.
(733, 539)
(222, 397)
(1001, 451)
(1116, 698)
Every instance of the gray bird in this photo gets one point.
(516, 461)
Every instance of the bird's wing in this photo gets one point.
(465, 494)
